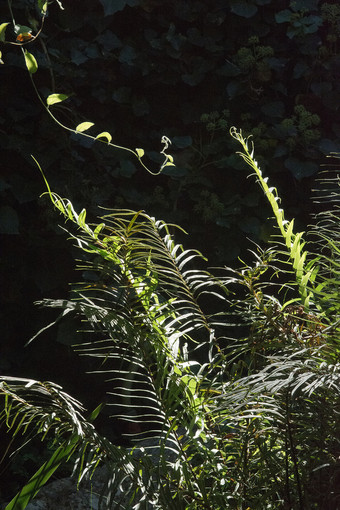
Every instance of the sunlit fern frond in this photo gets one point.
(141, 293)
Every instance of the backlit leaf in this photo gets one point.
(106, 135)
(42, 5)
(55, 98)
(84, 126)
(31, 62)
(140, 152)
(3, 27)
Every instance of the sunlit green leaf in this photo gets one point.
(55, 98)
(42, 5)
(3, 27)
(31, 62)
(106, 135)
(84, 126)
(140, 152)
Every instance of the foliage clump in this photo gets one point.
(237, 420)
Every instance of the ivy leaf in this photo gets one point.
(301, 169)
(106, 135)
(283, 16)
(31, 62)
(182, 142)
(243, 8)
(22, 29)
(127, 55)
(84, 126)
(174, 171)
(9, 220)
(327, 146)
(305, 5)
(55, 98)
(112, 6)
(3, 27)
(140, 152)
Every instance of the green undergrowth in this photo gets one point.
(245, 421)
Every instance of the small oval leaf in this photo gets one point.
(31, 62)
(55, 98)
(84, 126)
(140, 152)
(22, 29)
(106, 135)
(3, 27)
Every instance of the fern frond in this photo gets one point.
(294, 243)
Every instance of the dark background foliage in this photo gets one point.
(141, 69)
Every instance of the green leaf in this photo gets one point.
(182, 141)
(82, 218)
(113, 6)
(3, 27)
(9, 220)
(289, 233)
(140, 152)
(84, 126)
(283, 16)
(243, 8)
(301, 169)
(42, 6)
(106, 135)
(96, 412)
(22, 29)
(55, 98)
(174, 171)
(31, 62)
